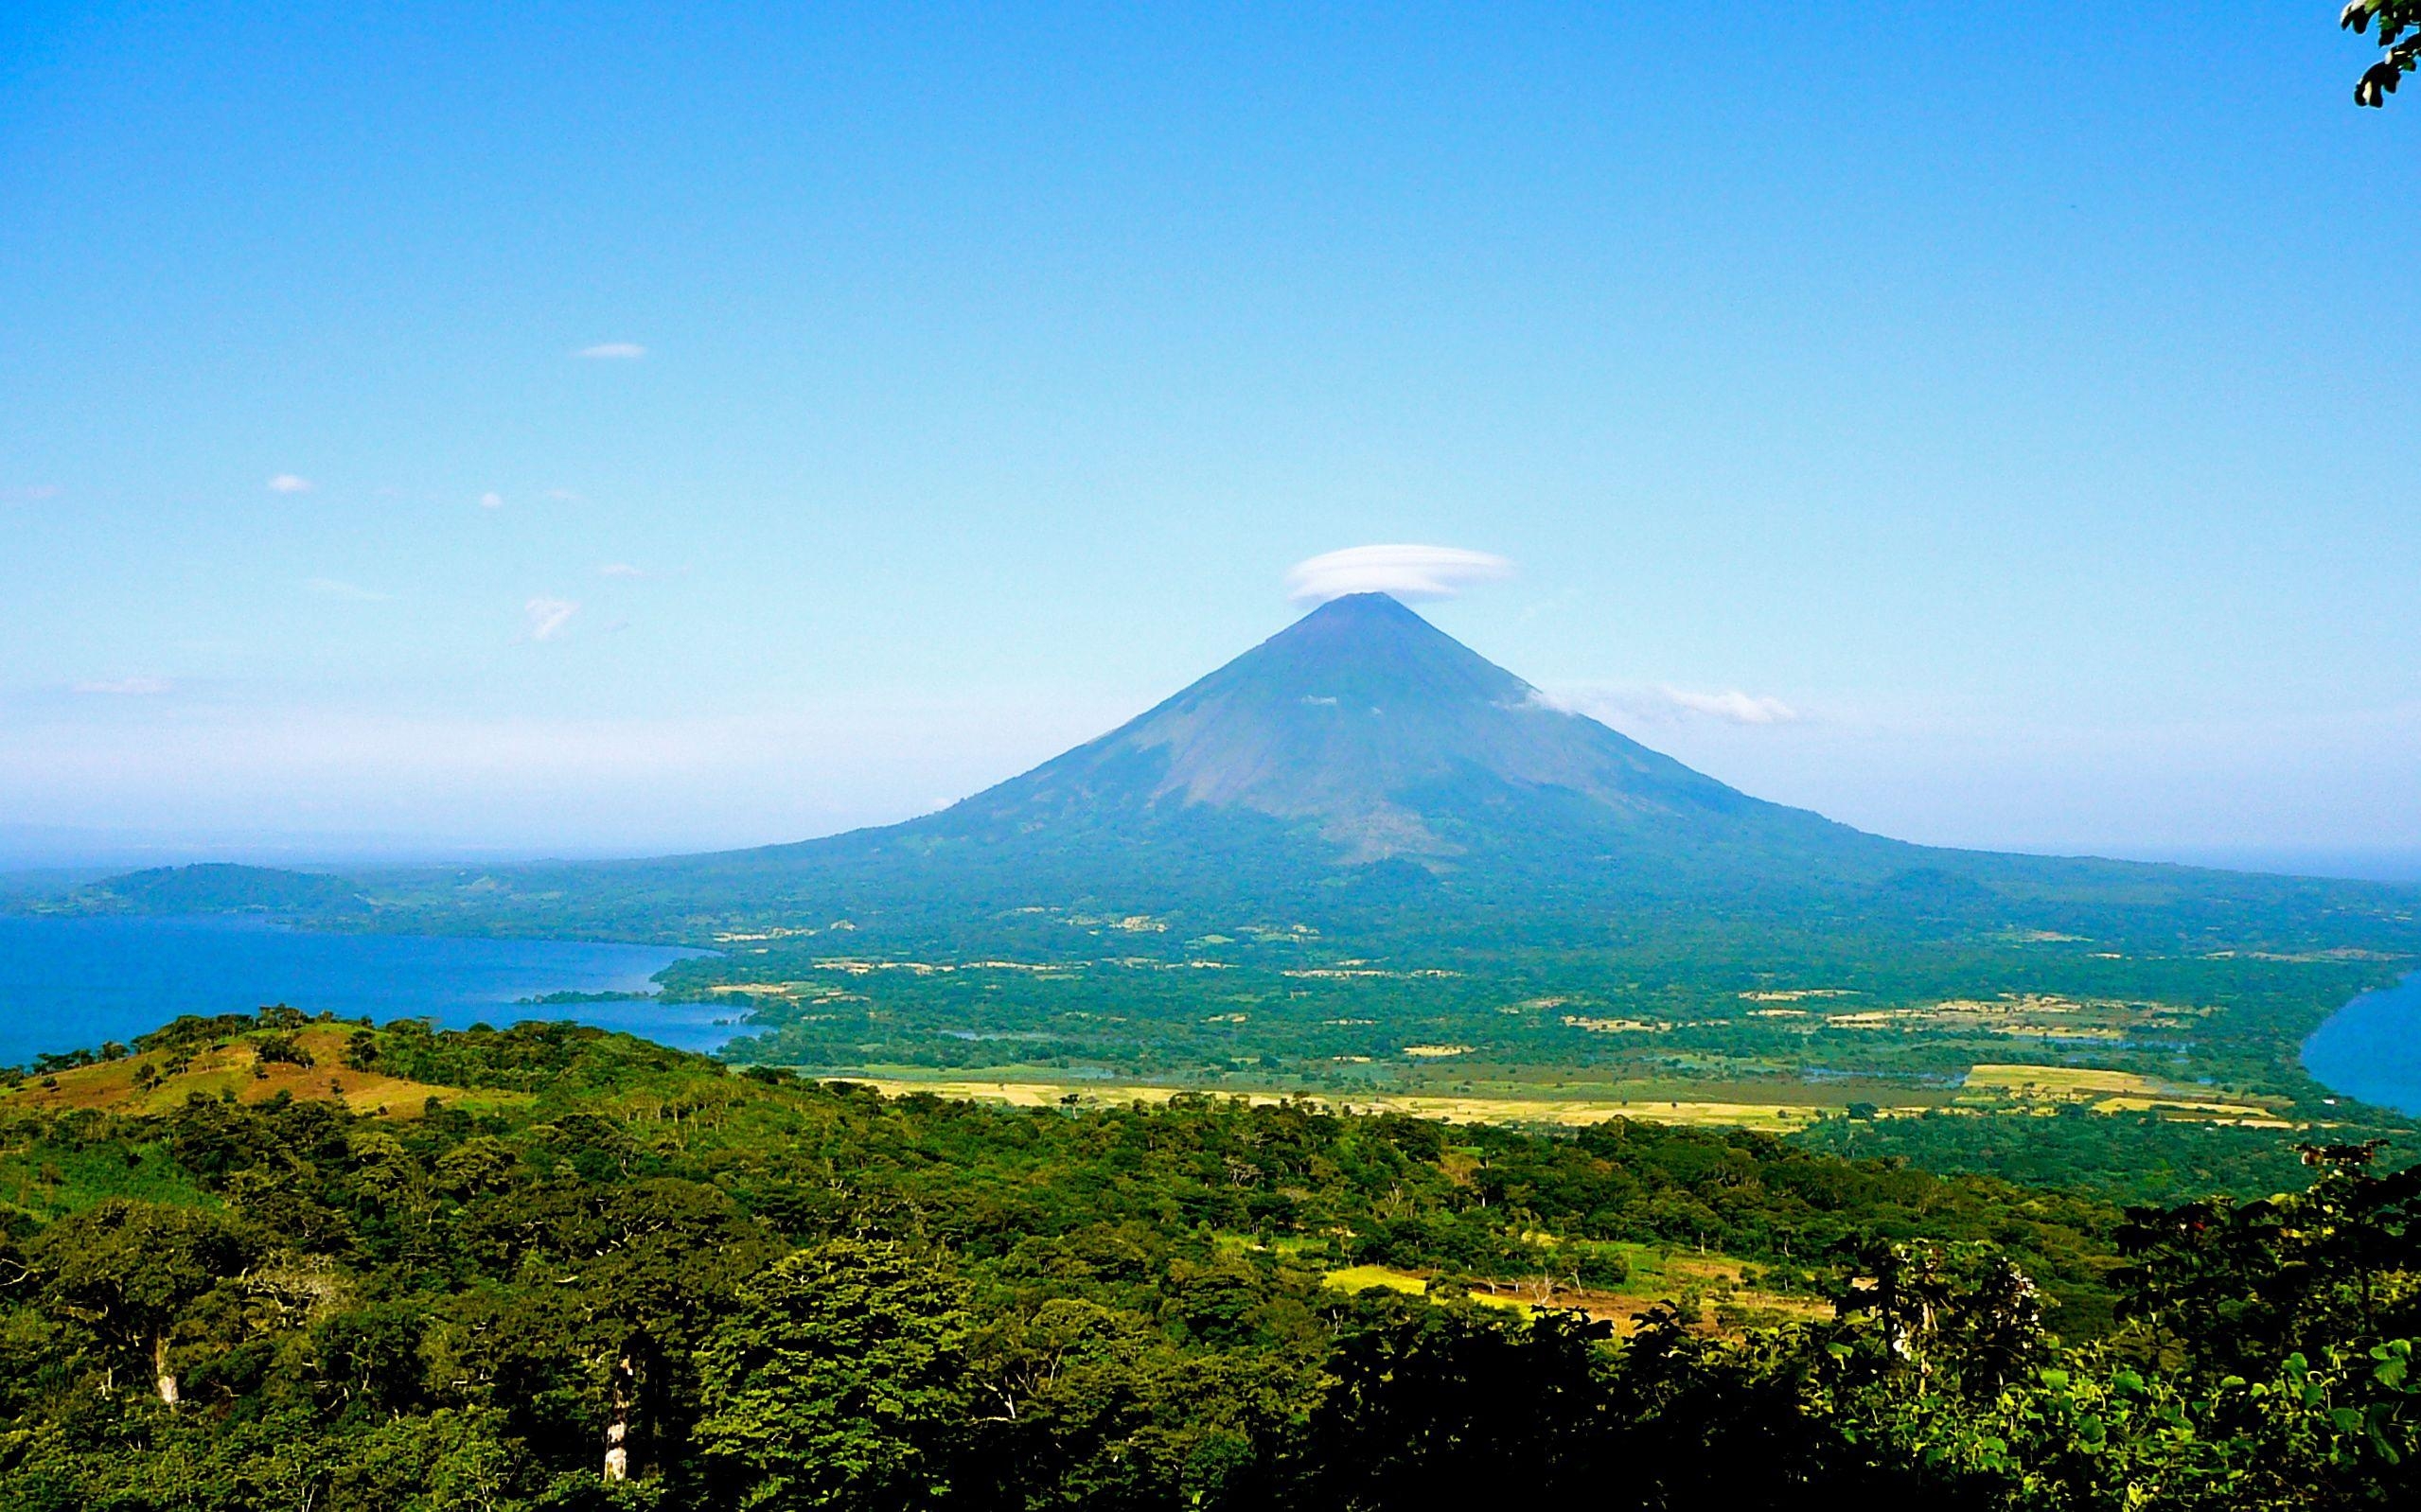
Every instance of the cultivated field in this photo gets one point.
(1558, 1112)
(1715, 1291)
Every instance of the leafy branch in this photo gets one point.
(2398, 24)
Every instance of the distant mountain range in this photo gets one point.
(1364, 774)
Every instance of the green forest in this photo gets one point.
(279, 1262)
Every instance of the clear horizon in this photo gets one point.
(617, 432)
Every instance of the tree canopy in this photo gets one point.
(592, 1272)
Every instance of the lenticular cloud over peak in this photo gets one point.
(1407, 572)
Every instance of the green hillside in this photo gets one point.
(556, 1267)
(218, 887)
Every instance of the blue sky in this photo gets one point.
(1987, 434)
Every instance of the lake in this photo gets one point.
(71, 983)
(2370, 1048)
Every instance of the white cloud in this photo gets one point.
(286, 483)
(610, 351)
(548, 617)
(1733, 705)
(336, 588)
(127, 687)
(621, 570)
(492, 500)
(1667, 704)
(1407, 572)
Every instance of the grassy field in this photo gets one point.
(1385, 1279)
(2104, 1091)
(1452, 1108)
(234, 1069)
(1564, 1100)
(1715, 1291)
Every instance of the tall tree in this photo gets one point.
(128, 1270)
(1436, 1406)
(839, 1381)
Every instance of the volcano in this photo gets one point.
(1371, 735)
(1363, 776)
(1359, 769)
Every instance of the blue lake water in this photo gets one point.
(2370, 1048)
(70, 983)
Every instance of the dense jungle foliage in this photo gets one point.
(599, 1272)
(2127, 1158)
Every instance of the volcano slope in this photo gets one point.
(1362, 851)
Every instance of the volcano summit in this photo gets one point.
(1363, 742)
(1381, 736)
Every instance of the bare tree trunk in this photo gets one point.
(617, 1433)
(162, 1375)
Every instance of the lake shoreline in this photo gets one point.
(74, 983)
(2370, 1048)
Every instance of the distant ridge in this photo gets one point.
(219, 886)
